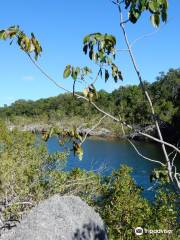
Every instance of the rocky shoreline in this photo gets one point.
(39, 128)
(99, 132)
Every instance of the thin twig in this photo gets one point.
(99, 109)
(141, 155)
(135, 148)
(96, 78)
(143, 36)
(160, 141)
(90, 130)
(145, 93)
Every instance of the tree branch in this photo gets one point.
(144, 90)
(135, 148)
(95, 126)
(141, 155)
(143, 36)
(99, 109)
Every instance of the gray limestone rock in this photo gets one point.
(59, 218)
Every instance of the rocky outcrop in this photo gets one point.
(59, 218)
(101, 132)
(151, 130)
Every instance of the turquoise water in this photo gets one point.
(104, 156)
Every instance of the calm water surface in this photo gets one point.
(108, 155)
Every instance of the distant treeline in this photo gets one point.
(127, 102)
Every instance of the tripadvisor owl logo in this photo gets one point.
(138, 231)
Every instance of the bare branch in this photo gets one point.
(96, 78)
(145, 92)
(160, 141)
(116, 2)
(74, 83)
(95, 126)
(135, 148)
(141, 155)
(98, 108)
(143, 36)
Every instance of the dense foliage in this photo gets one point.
(26, 44)
(128, 101)
(29, 174)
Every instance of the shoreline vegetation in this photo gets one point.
(25, 182)
(66, 112)
(117, 196)
(25, 179)
(32, 171)
(101, 132)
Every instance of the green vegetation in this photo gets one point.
(128, 101)
(27, 176)
(27, 173)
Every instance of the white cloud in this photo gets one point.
(28, 78)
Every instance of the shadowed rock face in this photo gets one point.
(59, 218)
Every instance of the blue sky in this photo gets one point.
(60, 26)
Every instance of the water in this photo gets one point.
(104, 156)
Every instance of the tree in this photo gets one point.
(101, 49)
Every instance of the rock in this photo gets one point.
(59, 218)
(102, 132)
(37, 127)
(150, 129)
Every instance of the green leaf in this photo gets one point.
(87, 70)
(67, 71)
(106, 75)
(86, 39)
(153, 6)
(91, 54)
(127, 2)
(155, 20)
(134, 15)
(165, 3)
(78, 150)
(120, 75)
(78, 70)
(38, 48)
(3, 35)
(164, 16)
(85, 48)
(74, 74)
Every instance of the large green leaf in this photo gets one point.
(153, 6)
(3, 35)
(106, 75)
(155, 19)
(67, 71)
(74, 74)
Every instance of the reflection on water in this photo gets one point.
(107, 155)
